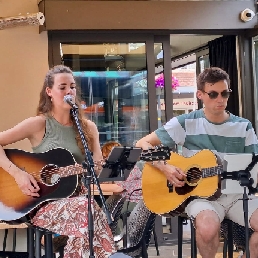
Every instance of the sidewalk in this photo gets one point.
(169, 248)
(166, 251)
(171, 252)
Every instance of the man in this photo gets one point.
(215, 129)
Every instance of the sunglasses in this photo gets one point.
(214, 94)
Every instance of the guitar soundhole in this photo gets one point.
(193, 175)
(49, 174)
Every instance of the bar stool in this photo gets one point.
(6, 227)
(34, 235)
(182, 220)
(34, 242)
(228, 238)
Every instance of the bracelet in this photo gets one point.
(159, 162)
(9, 167)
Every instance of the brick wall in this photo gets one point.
(185, 77)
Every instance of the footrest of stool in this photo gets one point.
(10, 254)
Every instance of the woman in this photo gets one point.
(54, 127)
(130, 189)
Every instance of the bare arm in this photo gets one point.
(149, 141)
(173, 174)
(111, 188)
(26, 129)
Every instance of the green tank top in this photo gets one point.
(57, 135)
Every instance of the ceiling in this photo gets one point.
(184, 43)
(179, 44)
(129, 56)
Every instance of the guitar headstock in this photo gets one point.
(156, 153)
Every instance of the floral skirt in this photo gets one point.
(70, 217)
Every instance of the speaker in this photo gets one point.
(119, 255)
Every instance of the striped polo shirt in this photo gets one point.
(194, 133)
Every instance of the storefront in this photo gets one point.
(115, 56)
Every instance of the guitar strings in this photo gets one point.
(212, 171)
(77, 169)
(61, 171)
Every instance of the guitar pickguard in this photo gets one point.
(186, 189)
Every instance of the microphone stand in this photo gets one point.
(88, 165)
(245, 180)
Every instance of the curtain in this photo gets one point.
(222, 54)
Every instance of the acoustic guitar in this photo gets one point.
(56, 173)
(201, 181)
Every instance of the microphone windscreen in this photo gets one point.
(68, 98)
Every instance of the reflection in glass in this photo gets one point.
(113, 81)
(184, 97)
(204, 62)
(255, 65)
(159, 83)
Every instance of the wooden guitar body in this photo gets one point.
(13, 203)
(160, 199)
(56, 173)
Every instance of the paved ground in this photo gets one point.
(171, 251)
(166, 251)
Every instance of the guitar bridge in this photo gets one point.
(170, 187)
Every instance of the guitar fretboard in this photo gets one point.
(75, 169)
(212, 171)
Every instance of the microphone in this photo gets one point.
(70, 101)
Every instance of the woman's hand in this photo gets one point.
(27, 183)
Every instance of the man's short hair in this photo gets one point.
(212, 75)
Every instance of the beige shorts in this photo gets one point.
(228, 205)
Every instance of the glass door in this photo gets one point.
(113, 82)
(116, 72)
(255, 72)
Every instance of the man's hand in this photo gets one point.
(174, 174)
(27, 183)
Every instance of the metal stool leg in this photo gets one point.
(144, 249)
(156, 241)
(48, 245)
(193, 241)
(180, 237)
(5, 238)
(38, 236)
(30, 241)
(14, 239)
(61, 252)
(230, 239)
(225, 248)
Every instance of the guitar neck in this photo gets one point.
(154, 154)
(212, 171)
(71, 170)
